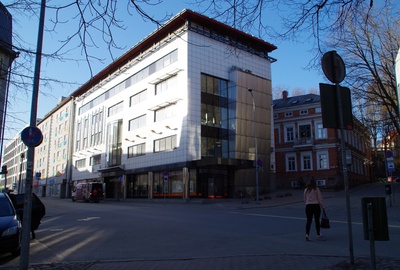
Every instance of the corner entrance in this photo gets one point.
(213, 183)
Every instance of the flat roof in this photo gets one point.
(172, 25)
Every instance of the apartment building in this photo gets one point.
(7, 56)
(14, 157)
(173, 116)
(305, 149)
(52, 163)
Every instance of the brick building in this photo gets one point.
(305, 149)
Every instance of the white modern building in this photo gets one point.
(173, 116)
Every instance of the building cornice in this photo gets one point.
(163, 32)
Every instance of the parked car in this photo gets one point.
(10, 227)
(394, 179)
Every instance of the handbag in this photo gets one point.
(325, 220)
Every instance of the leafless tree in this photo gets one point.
(301, 19)
(369, 46)
(94, 23)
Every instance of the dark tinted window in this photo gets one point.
(6, 208)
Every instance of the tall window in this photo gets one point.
(85, 133)
(291, 162)
(320, 131)
(78, 136)
(304, 131)
(289, 133)
(165, 144)
(216, 110)
(114, 133)
(306, 161)
(97, 128)
(322, 160)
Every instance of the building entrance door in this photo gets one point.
(213, 183)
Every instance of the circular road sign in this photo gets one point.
(333, 67)
(31, 136)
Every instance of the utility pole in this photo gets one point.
(255, 142)
(32, 137)
(335, 70)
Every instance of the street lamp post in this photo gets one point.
(20, 184)
(255, 142)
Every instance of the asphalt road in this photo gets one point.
(143, 230)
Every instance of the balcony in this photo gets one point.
(306, 142)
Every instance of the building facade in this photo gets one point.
(305, 149)
(52, 163)
(14, 157)
(7, 56)
(173, 116)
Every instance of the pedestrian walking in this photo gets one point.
(314, 203)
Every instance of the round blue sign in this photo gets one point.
(31, 136)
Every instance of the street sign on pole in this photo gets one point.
(334, 69)
(390, 164)
(31, 136)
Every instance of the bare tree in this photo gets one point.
(314, 18)
(93, 22)
(368, 46)
(94, 25)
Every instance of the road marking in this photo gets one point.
(302, 218)
(88, 218)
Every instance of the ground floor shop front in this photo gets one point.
(211, 180)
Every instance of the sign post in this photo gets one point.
(26, 222)
(335, 70)
(165, 185)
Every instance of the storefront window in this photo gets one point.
(173, 187)
(137, 186)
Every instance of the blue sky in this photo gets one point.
(288, 72)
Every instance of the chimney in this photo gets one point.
(285, 94)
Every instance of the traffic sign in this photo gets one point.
(31, 136)
(333, 67)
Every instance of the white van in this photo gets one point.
(88, 192)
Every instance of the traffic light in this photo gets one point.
(4, 169)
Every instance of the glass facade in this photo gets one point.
(137, 186)
(114, 143)
(217, 117)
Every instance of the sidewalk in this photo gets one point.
(248, 261)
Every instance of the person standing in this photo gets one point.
(314, 203)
